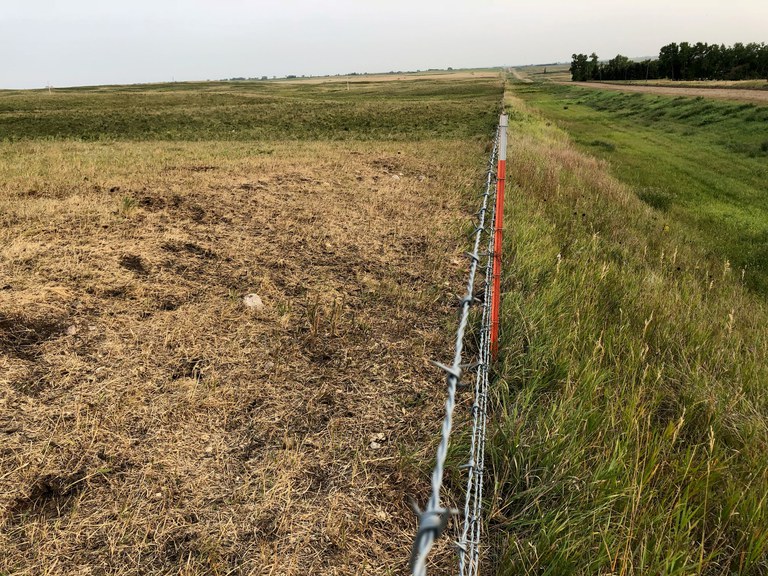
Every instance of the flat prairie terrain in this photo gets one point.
(150, 421)
(394, 77)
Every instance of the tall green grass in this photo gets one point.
(703, 164)
(630, 414)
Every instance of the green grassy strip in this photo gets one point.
(630, 412)
(703, 164)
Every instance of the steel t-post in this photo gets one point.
(498, 225)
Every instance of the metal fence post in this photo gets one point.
(498, 225)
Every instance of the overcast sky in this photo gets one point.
(79, 42)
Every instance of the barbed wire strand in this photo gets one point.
(474, 566)
(474, 465)
(434, 518)
(468, 546)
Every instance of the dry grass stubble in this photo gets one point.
(151, 423)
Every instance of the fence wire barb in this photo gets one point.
(434, 518)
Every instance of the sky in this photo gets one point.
(90, 42)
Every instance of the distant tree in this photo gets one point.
(579, 68)
(669, 61)
(762, 62)
(617, 68)
(684, 61)
(594, 67)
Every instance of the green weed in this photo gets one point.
(127, 205)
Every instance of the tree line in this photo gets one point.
(684, 61)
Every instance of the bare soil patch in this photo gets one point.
(151, 423)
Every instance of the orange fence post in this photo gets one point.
(498, 226)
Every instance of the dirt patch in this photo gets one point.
(22, 337)
(719, 93)
(48, 496)
(134, 263)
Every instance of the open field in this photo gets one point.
(246, 111)
(553, 73)
(153, 424)
(737, 94)
(452, 75)
(630, 414)
(703, 164)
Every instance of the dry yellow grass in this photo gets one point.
(151, 423)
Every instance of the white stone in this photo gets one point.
(253, 301)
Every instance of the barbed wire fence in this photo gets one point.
(434, 518)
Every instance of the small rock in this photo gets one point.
(71, 330)
(374, 445)
(395, 177)
(379, 437)
(253, 301)
(269, 366)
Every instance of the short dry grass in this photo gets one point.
(150, 423)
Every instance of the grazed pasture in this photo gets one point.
(153, 424)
